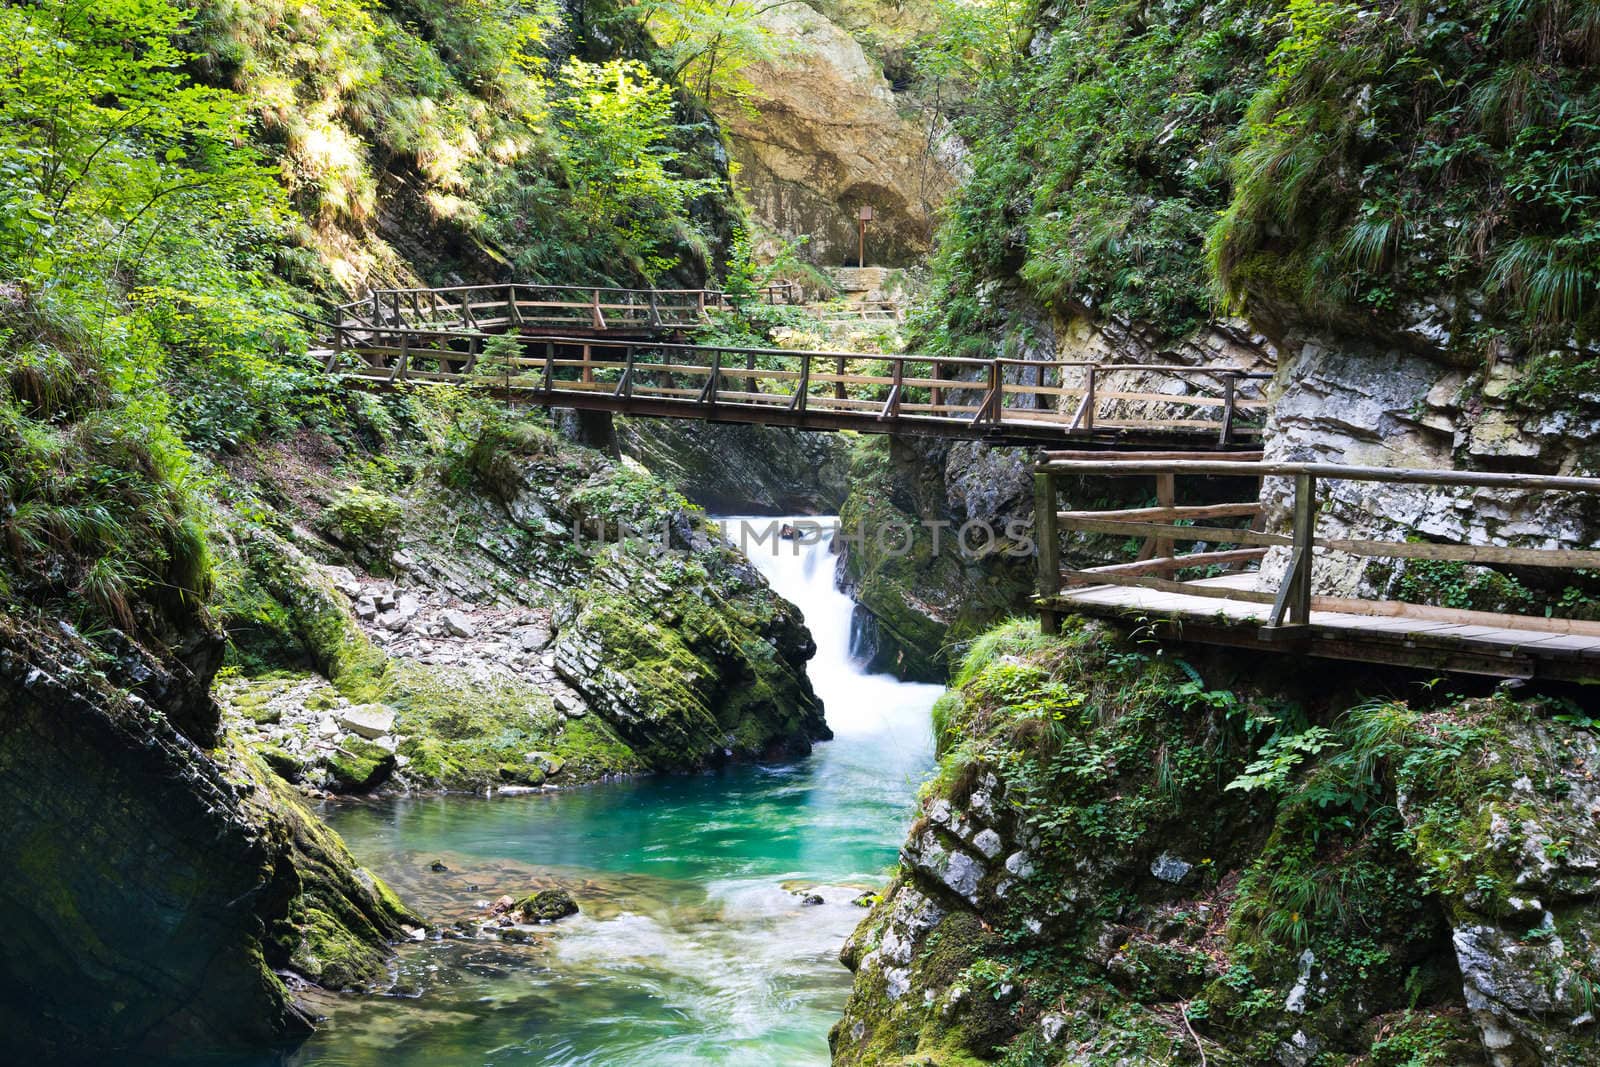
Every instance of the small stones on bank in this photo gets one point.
(435, 626)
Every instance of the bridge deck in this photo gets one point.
(1009, 400)
(1433, 643)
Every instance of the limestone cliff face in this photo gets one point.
(922, 590)
(1407, 402)
(1397, 396)
(826, 135)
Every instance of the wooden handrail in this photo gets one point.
(1335, 471)
(1293, 602)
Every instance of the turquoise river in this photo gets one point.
(694, 945)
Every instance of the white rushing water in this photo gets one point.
(887, 716)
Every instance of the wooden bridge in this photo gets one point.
(1209, 596)
(608, 350)
(565, 310)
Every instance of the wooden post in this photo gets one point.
(838, 386)
(655, 309)
(996, 397)
(513, 313)
(1044, 532)
(549, 369)
(625, 386)
(1038, 383)
(1088, 401)
(1165, 497)
(598, 320)
(588, 368)
(399, 371)
(750, 385)
(1293, 604)
(803, 386)
(338, 348)
(1230, 385)
(937, 397)
(716, 372)
(891, 408)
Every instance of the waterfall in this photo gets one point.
(880, 715)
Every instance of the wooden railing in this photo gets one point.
(1043, 400)
(541, 308)
(1292, 601)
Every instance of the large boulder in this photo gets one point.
(222, 878)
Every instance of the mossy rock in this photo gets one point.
(283, 763)
(359, 766)
(547, 905)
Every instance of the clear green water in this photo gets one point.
(692, 947)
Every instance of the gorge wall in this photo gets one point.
(823, 133)
(1145, 853)
(1103, 872)
(386, 591)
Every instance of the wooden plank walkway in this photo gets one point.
(571, 310)
(1399, 640)
(1013, 401)
(1236, 609)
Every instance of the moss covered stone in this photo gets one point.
(233, 873)
(547, 905)
(358, 766)
(1130, 852)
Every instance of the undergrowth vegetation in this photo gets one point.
(1365, 164)
(182, 186)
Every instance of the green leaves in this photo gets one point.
(708, 43)
(1386, 163)
(1096, 166)
(107, 140)
(1279, 757)
(616, 122)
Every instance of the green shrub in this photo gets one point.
(360, 516)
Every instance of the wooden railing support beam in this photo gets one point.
(1046, 544)
(1292, 608)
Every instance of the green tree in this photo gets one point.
(615, 123)
(108, 139)
(710, 43)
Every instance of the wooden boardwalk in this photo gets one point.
(1242, 610)
(609, 350)
(1499, 646)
